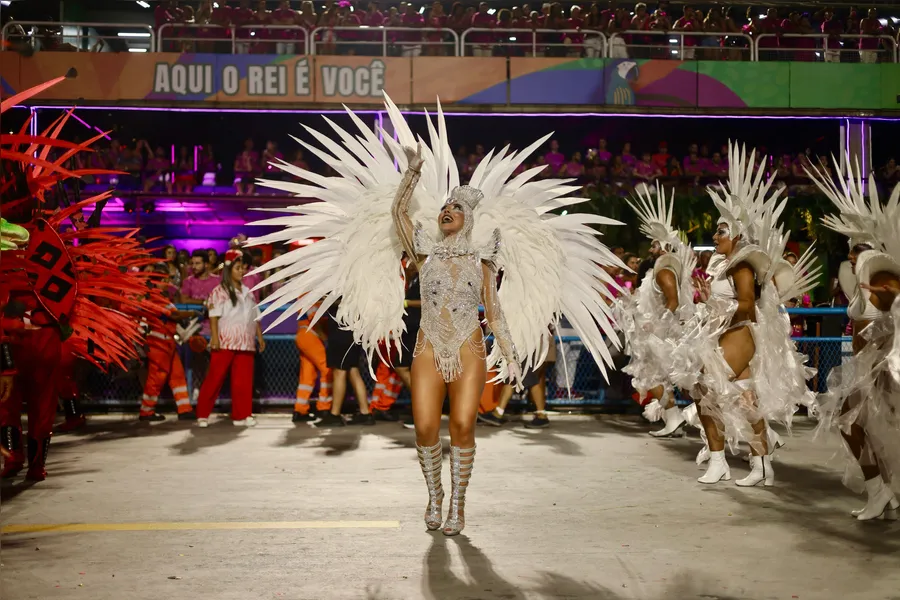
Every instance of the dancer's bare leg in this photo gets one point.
(465, 396)
(428, 392)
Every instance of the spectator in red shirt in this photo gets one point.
(641, 22)
(481, 40)
(167, 12)
(347, 17)
(260, 31)
(285, 16)
(241, 18)
(574, 41)
(272, 155)
(806, 46)
(833, 29)
(772, 28)
(693, 164)
(662, 157)
(686, 24)
(411, 41)
(868, 46)
(716, 166)
(594, 22)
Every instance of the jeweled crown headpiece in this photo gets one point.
(468, 197)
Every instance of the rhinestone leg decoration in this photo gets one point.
(430, 458)
(461, 462)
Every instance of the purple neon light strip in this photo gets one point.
(470, 114)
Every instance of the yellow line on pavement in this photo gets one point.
(224, 526)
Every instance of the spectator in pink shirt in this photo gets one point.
(246, 168)
(647, 169)
(555, 158)
(627, 157)
(436, 20)
(717, 167)
(573, 168)
(693, 164)
(603, 153)
(833, 29)
(241, 17)
(197, 288)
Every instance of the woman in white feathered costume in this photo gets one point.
(652, 320)
(460, 237)
(752, 373)
(863, 398)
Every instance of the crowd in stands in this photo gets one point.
(199, 30)
(607, 169)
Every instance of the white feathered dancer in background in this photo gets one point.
(461, 237)
(652, 320)
(752, 373)
(863, 401)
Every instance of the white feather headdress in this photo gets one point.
(656, 215)
(864, 221)
(742, 201)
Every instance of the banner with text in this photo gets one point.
(251, 79)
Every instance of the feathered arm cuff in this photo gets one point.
(400, 208)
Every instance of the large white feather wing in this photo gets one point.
(552, 264)
(357, 259)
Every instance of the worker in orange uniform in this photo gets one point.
(164, 365)
(311, 344)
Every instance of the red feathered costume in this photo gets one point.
(77, 292)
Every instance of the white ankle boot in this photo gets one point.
(717, 469)
(761, 471)
(881, 501)
(674, 423)
(702, 456)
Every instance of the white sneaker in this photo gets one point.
(717, 470)
(248, 422)
(202, 422)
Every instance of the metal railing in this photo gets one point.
(534, 42)
(827, 48)
(277, 369)
(409, 42)
(680, 45)
(38, 32)
(239, 39)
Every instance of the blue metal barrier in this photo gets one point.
(277, 370)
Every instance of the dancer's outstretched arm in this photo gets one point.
(400, 208)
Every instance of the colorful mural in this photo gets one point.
(332, 80)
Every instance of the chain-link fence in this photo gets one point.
(277, 371)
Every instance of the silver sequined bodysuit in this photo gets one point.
(451, 293)
(453, 286)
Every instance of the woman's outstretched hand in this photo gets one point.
(414, 157)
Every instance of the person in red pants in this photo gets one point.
(164, 365)
(38, 350)
(235, 331)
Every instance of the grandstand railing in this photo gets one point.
(277, 369)
(34, 32)
(678, 45)
(391, 41)
(826, 49)
(532, 42)
(243, 39)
